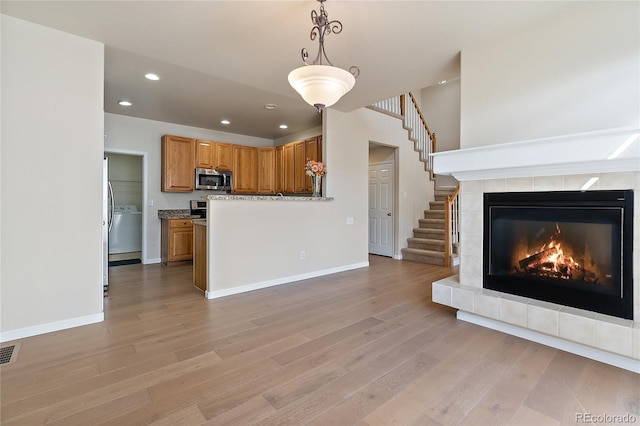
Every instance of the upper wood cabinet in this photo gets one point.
(299, 169)
(288, 166)
(178, 163)
(266, 170)
(223, 156)
(205, 153)
(291, 166)
(312, 152)
(279, 169)
(245, 169)
(214, 155)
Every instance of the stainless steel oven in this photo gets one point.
(214, 179)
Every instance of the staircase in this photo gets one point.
(435, 241)
(428, 242)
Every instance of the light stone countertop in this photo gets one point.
(202, 222)
(265, 198)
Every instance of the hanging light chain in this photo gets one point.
(321, 27)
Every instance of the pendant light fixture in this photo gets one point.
(318, 82)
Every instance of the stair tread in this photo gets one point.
(423, 252)
(425, 240)
(429, 230)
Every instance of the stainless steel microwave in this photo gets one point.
(214, 179)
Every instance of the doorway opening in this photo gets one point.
(127, 236)
(382, 200)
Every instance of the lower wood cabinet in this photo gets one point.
(200, 257)
(176, 241)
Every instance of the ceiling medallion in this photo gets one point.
(322, 85)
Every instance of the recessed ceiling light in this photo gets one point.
(225, 122)
(151, 76)
(270, 106)
(284, 126)
(124, 103)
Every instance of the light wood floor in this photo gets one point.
(364, 347)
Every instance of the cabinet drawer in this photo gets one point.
(180, 223)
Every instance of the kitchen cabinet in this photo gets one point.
(288, 168)
(214, 155)
(312, 152)
(205, 154)
(178, 163)
(223, 156)
(290, 165)
(176, 241)
(299, 169)
(245, 169)
(200, 257)
(279, 169)
(266, 170)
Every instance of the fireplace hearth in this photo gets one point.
(572, 248)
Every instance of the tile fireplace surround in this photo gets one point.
(525, 167)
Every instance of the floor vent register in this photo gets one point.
(9, 354)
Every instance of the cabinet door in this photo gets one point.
(178, 164)
(280, 169)
(288, 169)
(176, 240)
(245, 169)
(180, 244)
(205, 154)
(223, 156)
(300, 160)
(266, 170)
(311, 153)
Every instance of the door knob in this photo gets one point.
(388, 214)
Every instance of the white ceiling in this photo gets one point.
(227, 59)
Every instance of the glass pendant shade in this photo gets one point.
(321, 85)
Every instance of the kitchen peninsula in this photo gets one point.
(257, 241)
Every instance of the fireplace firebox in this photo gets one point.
(570, 248)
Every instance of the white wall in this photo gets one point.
(347, 137)
(441, 108)
(576, 73)
(141, 135)
(52, 145)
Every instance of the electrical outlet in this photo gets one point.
(349, 221)
(302, 255)
(151, 202)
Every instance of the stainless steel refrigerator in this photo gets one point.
(107, 222)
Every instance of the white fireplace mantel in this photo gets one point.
(593, 152)
(561, 163)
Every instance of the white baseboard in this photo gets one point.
(21, 333)
(283, 280)
(544, 339)
(397, 256)
(151, 261)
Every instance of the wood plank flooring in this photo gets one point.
(364, 347)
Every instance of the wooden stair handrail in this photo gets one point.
(432, 136)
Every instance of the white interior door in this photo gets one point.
(381, 209)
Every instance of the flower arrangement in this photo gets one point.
(315, 168)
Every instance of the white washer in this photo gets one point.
(126, 232)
